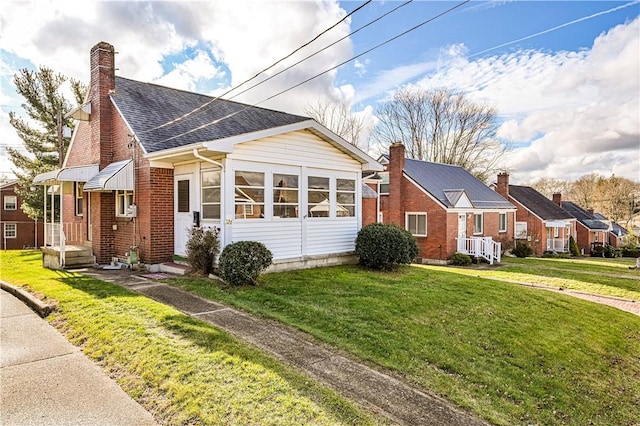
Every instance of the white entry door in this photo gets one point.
(183, 211)
(462, 230)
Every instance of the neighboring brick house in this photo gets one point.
(147, 163)
(445, 207)
(539, 220)
(618, 235)
(18, 229)
(589, 230)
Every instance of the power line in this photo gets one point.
(323, 72)
(169, 123)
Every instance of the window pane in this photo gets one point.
(10, 202)
(346, 198)
(249, 178)
(285, 181)
(211, 195)
(318, 197)
(384, 188)
(318, 183)
(211, 211)
(345, 211)
(211, 178)
(285, 210)
(422, 225)
(183, 196)
(285, 195)
(319, 210)
(345, 184)
(249, 211)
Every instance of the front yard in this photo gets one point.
(511, 354)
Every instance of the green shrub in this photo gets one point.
(573, 247)
(242, 262)
(383, 246)
(553, 255)
(630, 252)
(202, 248)
(522, 249)
(460, 259)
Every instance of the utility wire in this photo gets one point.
(260, 72)
(323, 49)
(321, 73)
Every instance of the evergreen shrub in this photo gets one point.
(203, 247)
(242, 262)
(383, 246)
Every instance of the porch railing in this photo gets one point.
(54, 236)
(483, 247)
(559, 245)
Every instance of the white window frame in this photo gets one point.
(6, 232)
(328, 191)
(124, 199)
(248, 207)
(78, 188)
(354, 192)
(477, 231)
(500, 216)
(407, 220)
(384, 180)
(211, 203)
(277, 192)
(6, 202)
(521, 231)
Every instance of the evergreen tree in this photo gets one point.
(46, 107)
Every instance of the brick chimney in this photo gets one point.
(590, 211)
(396, 196)
(502, 187)
(102, 59)
(557, 199)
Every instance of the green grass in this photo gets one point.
(607, 277)
(511, 354)
(181, 369)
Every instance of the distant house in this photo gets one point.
(618, 236)
(539, 221)
(589, 230)
(445, 207)
(18, 229)
(147, 164)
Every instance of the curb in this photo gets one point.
(38, 306)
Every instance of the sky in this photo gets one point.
(564, 76)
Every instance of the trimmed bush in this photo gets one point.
(242, 262)
(573, 247)
(460, 259)
(383, 246)
(202, 248)
(522, 249)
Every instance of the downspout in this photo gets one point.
(209, 160)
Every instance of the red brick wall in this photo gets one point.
(369, 208)
(26, 228)
(161, 224)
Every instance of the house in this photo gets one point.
(18, 229)
(147, 163)
(445, 207)
(539, 221)
(618, 236)
(590, 231)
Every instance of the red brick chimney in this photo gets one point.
(590, 211)
(102, 84)
(557, 199)
(502, 187)
(396, 196)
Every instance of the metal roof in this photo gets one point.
(116, 176)
(537, 203)
(583, 216)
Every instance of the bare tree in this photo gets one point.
(442, 126)
(550, 186)
(338, 118)
(584, 190)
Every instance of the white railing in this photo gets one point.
(51, 234)
(559, 245)
(483, 247)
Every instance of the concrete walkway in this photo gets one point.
(45, 380)
(378, 392)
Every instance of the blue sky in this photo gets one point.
(564, 76)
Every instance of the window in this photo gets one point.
(78, 188)
(249, 195)
(416, 223)
(477, 223)
(285, 195)
(10, 202)
(183, 196)
(211, 194)
(124, 200)
(556, 232)
(521, 230)
(384, 182)
(318, 196)
(502, 222)
(10, 230)
(346, 197)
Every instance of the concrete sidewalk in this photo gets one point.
(375, 390)
(45, 380)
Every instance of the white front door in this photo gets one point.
(462, 226)
(183, 211)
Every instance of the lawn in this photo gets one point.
(511, 354)
(182, 370)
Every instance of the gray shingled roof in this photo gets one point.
(145, 106)
(537, 203)
(616, 229)
(438, 178)
(583, 216)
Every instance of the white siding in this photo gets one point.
(298, 149)
(331, 236)
(283, 238)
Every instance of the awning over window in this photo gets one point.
(116, 176)
(67, 174)
(556, 224)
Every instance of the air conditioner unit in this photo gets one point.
(132, 210)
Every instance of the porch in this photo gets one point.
(483, 247)
(558, 245)
(67, 257)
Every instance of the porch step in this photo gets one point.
(79, 261)
(174, 268)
